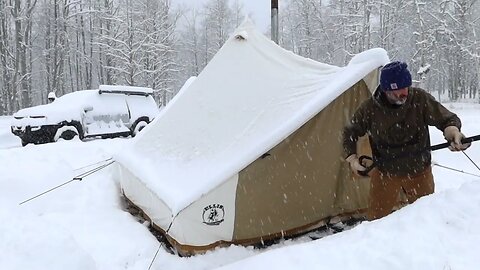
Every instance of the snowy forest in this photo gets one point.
(70, 45)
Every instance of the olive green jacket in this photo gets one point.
(398, 135)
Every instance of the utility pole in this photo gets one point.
(274, 31)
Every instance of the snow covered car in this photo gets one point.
(107, 112)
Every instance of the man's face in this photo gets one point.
(397, 97)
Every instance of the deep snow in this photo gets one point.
(83, 225)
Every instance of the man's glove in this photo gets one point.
(454, 136)
(355, 165)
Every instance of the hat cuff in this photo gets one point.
(396, 86)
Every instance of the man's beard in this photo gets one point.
(397, 101)
(400, 101)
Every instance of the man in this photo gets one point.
(396, 119)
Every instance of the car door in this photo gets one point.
(106, 114)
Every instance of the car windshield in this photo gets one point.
(76, 97)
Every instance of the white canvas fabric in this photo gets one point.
(250, 97)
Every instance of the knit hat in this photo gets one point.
(394, 76)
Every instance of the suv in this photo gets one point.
(107, 112)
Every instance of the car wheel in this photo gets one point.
(138, 127)
(66, 133)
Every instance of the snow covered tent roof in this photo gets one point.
(251, 149)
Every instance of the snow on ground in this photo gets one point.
(82, 225)
(439, 232)
(7, 139)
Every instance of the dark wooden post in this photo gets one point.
(274, 31)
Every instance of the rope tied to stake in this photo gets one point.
(79, 177)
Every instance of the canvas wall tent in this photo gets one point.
(252, 149)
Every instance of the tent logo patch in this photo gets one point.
(213, 214)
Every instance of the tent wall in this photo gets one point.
(209, 219)
(143, 198)
(304, 179)
(372, 80)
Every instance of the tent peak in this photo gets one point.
(379, 55)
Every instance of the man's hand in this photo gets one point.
(454, 136)
(355, 165)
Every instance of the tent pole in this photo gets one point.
(274, 23)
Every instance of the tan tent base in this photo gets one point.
(173, 247)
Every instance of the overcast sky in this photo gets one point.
(259, 10)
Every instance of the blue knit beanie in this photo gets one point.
(394, 76)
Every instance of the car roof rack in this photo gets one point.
(125, 90)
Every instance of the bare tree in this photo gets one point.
(65, 45)
(55, 15)
(15, 43)
(190, 44)
(160, 66)
(9, 102)
(22, 16)
(217, 25)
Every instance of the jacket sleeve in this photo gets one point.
(439, 116)
(356, 128)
